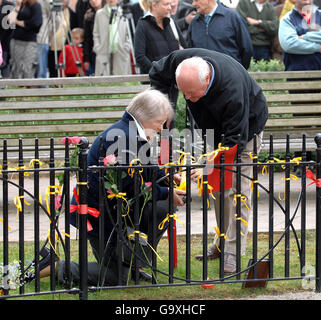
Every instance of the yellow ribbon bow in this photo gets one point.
(213, 154)
(218, 234)
(143, 236)
(174, 216)
(32, 161)
(120, 195)
(243, 199)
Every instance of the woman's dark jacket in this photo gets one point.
(127, 130)
(153, 43)
(32, 17)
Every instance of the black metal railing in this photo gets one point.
(15, 177)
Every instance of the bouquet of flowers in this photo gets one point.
(10, 276)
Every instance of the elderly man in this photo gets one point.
(222, 96)
(216, 27)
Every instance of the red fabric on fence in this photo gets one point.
(214, 177)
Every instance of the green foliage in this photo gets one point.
(180, 119)
(265, 66)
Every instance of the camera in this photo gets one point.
(125, 5)
(56, 3)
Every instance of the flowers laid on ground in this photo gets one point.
(10, 276)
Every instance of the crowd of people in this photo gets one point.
(43, 39)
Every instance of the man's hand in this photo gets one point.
(190, 17)
(178, 197)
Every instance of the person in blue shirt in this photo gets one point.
(300, 37)
(216, 27)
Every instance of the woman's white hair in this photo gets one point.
(200, 64)
(149, 104)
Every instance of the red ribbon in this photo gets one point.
(310, 175)
(84, 209)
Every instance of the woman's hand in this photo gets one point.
(177, 178)
(195, 174)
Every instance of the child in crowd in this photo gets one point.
(73, 63)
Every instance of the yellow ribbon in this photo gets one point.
(56, 190)
(182, 185)
(181, 159)
(174, 216)
(242, 198)
(18, 203)
(264, 169)
(293, 177)
(143, 236)
(241, 219)
(32, 161)
(213, 153)
(296, 160)
(3, 222)
(131, 171)
(26, 174)
(280, 161)
(140, 234)
(120, 195)
(218, 234)
(252, 187)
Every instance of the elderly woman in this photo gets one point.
(27, 17)
(156, 34)
(144, 117)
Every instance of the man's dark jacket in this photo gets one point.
(234, 105)
(226, 33)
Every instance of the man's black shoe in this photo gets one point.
(29, 276)
(142, 275)
(45, 261)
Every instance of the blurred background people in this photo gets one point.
(74, 62)
(111, 41)
(88, 44)
(262, 23)
(6, 31)
(27, 17)
(43, 40)
(65, 21)
(156, 34)
(183, 15)
(216, 27)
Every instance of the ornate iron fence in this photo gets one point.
(131, 241)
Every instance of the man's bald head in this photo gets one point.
(193, 77)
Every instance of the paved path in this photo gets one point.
(196, 216)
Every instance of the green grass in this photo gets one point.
(219, 291)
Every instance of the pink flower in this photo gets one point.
(71, 140)
(110, 159)
(110, 192)
(148, 185)
(58, 201)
